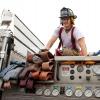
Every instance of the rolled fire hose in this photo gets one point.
(46, 55)
(32, 67)
(45, 75)
(34, 58)
(41, 75)
(34, 75)
(47, 66)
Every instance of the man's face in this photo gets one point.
(66, 22)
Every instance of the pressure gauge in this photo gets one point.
(96, 69)
(69, 92)
(80, 68)
(55, 92)
(78, 93)
(47, 92)
(97, 92)
(88, 93)
(39, 92)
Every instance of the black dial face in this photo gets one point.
(72, 66)
(72, 71)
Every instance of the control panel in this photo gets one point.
(75, 77)
(79, 73)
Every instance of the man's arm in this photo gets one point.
(51, 42)
(82, 45)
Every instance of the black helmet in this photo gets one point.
(66, 12)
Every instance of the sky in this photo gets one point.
(42, 17)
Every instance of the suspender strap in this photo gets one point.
(60, 43)
(72, 38)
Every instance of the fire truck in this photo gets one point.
(75, 77)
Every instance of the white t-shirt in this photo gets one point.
(66, 37)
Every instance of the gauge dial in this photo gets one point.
(80, 68)
(88, 93)
(78, 93)
(97, 92)
(47, 92)
(55, 92)
(69, 92)
(39, 92)
(96, 69)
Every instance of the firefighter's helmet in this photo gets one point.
(67, 12)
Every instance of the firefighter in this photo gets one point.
(65, 33)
